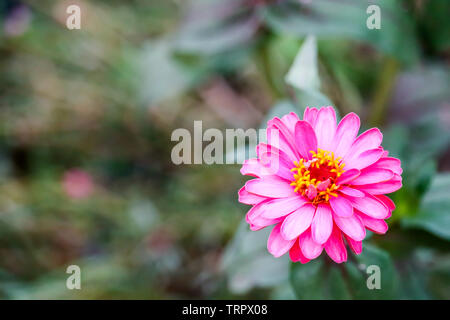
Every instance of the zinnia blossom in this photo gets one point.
(320, 184)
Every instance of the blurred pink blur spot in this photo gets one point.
(77, 184)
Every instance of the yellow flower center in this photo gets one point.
(315, 179)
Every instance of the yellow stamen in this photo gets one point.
(322, 167)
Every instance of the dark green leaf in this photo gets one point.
(360, 275)
(434, 211)
(308, 279)
(337, 287)
(320, 280)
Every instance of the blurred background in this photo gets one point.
(86, 118)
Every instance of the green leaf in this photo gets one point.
(413, 285)
(415, 274)
(215, 27)
(439, 280)
(338, 288)
(323, 279)
(248, 264)
(308, 279)
(434, 211)
(435, 22)
(347, 19)
(304, 73)
(395, 139)
(277, 57)
(161, 75)
(375, 257)
(303, 76)
(283, 292)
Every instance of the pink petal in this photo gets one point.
(371, 206)
(387, 201)
(305, 138)
(285, 133)
(351, 226)
(256, 221)
(297, 222)
(254, 227)
(335, 247)
(255, 211)
(310, 115)
(352, 192)
(322, 224)
(348, 176)
(263, 148)
(261, 223)
(356, 246)
(309, 247)
(392, 164)
(373, 175)
(296, 254)
(252, 167)
(383, 187)
(322, 186)
(277, 162)
(346, 133)
(370, 139)
(341, 206)
(280, 207)
(376, 225)
(278, 140)
(271, 187)
(249, 198)
(276, 245)
(389, 215)
(325, 127)
(277, 166)
(290, 120)
(364, 160)
(311, 192)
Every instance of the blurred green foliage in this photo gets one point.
(85, 123)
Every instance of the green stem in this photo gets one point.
(383, 91)
(267, 72)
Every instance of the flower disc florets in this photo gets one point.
(316, 178)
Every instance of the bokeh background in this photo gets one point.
(86, 118)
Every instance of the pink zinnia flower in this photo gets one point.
(319, 184)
